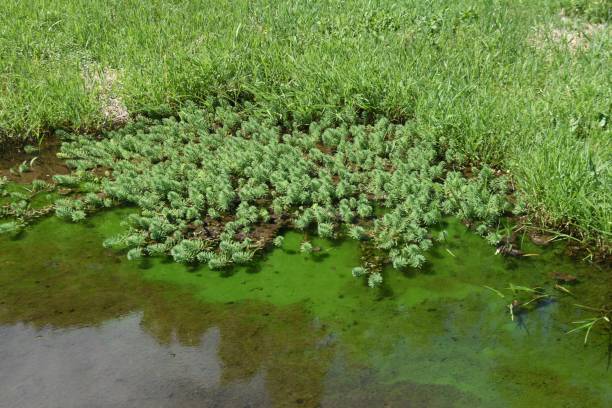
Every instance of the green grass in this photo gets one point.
(485, 73)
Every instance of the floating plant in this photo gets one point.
(16, 209)
(218, 186)
(603, 318)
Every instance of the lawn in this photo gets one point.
(524, 86)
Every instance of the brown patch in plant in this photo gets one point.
(325, 149)
(211, 228)
(263, 234)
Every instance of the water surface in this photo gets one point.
(81, 325)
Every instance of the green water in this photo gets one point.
(81, 325)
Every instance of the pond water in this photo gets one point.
(81, 326)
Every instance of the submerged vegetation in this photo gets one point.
(603, 318)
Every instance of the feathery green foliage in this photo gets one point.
(20, 204)
(210, 182)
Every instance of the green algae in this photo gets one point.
(435, 337)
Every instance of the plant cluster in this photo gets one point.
(526, 299)
(16, 209)
(217, 186)
(603, 318)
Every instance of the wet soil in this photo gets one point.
(43, 167)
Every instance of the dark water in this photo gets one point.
(80, 326)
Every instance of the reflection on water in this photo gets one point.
(117, 364)
(82, 326)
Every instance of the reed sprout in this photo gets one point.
(603, 318)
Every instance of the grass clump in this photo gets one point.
(219, 185)
(596, 11)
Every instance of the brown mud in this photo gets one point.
(45, 163)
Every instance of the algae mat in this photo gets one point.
(81, 325)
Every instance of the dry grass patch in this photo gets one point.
(570, 33)
(105, 83)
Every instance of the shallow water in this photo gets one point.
(82, 326)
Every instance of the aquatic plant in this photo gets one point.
(24, 167)
(134, 253)
(359, 271)
(306, 247)
(603, 318)
(3, 185)
(187, 251)
(357, 232)
(11, 227)
(280, 71)
(40, 185)
(29, 149)
(525, 298)
(66, 180)
(278, 241)
(17, 207)
(375, 279)
(218, 185)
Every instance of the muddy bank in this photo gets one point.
(41, 164)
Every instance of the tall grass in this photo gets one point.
(492, 74)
